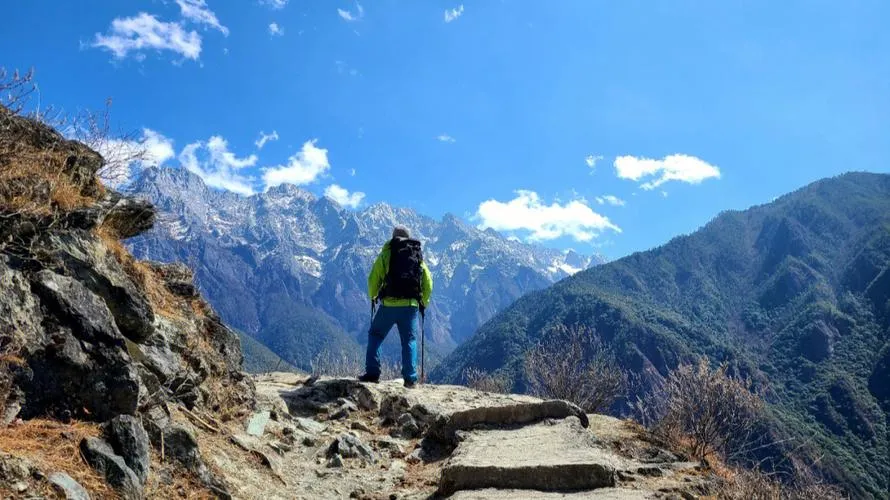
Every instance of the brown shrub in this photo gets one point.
(758, 485)
(486, 382)
(571, 363)
(703, 410)
(16, 89)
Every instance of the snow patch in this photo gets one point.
(558, 266)
(308, 265)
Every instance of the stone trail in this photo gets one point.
(462, 444)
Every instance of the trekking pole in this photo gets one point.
(422, 347)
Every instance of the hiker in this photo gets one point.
(401, 283)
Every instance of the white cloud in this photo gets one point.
(275, 4)
(446, 138)
(350, 17)
(611, 200)
(526, 212)
(304, 167)
(678, 167)
(158, 148)
(276, 30)
(197, 12)
(591, 160)
(451, 15)
(125, 158)
(344, 197)
(264, 138)
(213, 162)
(343, 68)
(145, 32)
(664, 194)
(352, 172)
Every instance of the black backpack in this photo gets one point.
(404, 276)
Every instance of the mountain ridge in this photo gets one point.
(792, 294)
(289, 246)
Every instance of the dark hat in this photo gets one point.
(400, 232)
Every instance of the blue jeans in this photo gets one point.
(405, 318)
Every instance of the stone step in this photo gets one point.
(550, 456)
(599, 494)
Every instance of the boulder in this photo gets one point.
(101, 457)
(349, 446)
(14, 469)
(81, 367)
(67, 487)
(395, 448)
(128, 217)
(181, 444)
(90, 262)
(225, 343)
(407, 427)
(548, 456)
(129, 440)
(178, 278)
(20, 315)
(78, 308)
(256, 426)
(309, 425)
(505, 415)
(324, 395)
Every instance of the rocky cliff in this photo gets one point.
(88, 334)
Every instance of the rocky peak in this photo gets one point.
(320, 254)
(287, 194)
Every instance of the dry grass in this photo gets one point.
(704, 411)
(344, 364)
(34, 180)
(53, 446)
(757, 485)
(481, 380)
(40, 170)
(163, 301)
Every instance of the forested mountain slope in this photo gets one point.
(794, 294)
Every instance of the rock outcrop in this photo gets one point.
(89, 333)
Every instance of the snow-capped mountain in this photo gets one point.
(286, 260)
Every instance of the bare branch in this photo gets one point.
(486, 382)
(571, 364)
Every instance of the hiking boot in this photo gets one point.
(409, 384)
(369, 378)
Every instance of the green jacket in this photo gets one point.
(378, 275)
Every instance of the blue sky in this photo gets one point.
(492, 110)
